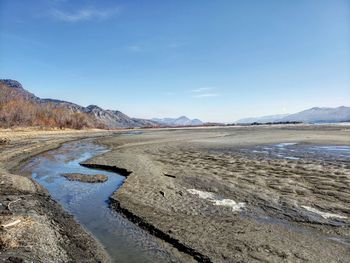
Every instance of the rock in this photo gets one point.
(4, 141)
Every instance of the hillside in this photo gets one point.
(116, 119)
(19, 107)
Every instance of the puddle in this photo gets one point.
(325, 215)
(300, 229)
(296, 151)
(284, 144)
(128, 133)
(89, 204)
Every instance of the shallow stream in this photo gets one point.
(89, 202)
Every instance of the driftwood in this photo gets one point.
(169, 175)
(13, 223)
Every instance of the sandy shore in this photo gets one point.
(34, 227)
(197, 190)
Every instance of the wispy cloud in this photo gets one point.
(135, 48)
(199, 90)
(204, 92)
(85, 14)
(205, 95)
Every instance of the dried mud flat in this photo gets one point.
(34, 228)
(197, 189)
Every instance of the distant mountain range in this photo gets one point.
(14, 108)
(313, 115)
(94, 115)
(181, 121)
(263, 119)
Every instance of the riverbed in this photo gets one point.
(217, 196)
(89, 203)
(212, 194)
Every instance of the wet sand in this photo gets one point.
(210, 193)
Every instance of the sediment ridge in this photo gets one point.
(115, 169)
(158, 233)
(152, 229)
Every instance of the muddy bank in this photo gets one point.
(41, 231)
(91, 178)
(115, 169)
(222, 204)
(152, 229)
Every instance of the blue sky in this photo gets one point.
(213, 60)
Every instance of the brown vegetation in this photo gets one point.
(19, 110)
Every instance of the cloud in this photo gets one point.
(201, 89)
(206, 95)
(204, 92)
(135, 48)
(84, 14)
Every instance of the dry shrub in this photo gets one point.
(21, 109)
(27, 113)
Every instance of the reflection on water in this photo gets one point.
(89, 202)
